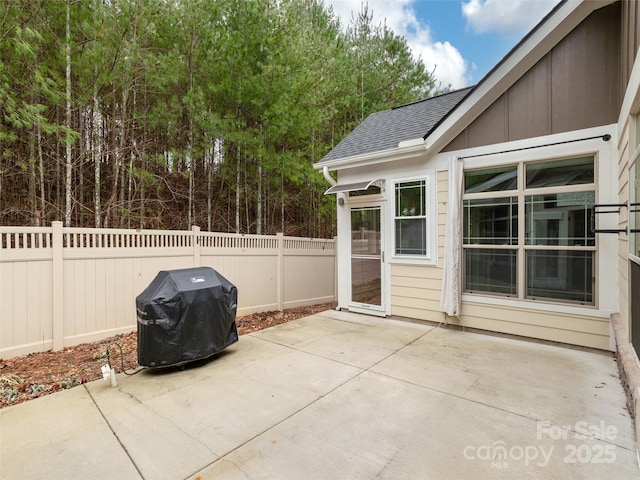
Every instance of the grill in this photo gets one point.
(185, 315)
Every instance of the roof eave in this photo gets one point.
(522, 58)
(404, 151)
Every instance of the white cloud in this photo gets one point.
(399, 15)
(440, 57)
(506, 17)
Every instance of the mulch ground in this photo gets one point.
(38, 374)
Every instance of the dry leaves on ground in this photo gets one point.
(38, 374)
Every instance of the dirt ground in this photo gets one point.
(38, 374)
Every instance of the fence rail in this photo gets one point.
(65, 286)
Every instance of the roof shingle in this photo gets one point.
(385, 130)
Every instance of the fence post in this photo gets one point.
(196, 245)
(280, 272)
(57, 274)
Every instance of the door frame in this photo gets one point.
(366, 203)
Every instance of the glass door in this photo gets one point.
(366, 257)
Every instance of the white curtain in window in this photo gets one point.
(452, 280)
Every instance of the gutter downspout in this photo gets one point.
(333, 183)
(328, 178)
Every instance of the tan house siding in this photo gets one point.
(623, 240)
(415, 292)
(443, 189)
(575, 86)
(558, 327)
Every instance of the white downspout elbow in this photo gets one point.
(329, 178)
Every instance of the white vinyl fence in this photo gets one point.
(64, 286)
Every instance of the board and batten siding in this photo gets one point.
(416, 290)
(577, 85)
(630, 38)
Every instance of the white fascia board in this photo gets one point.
(514, 66)
(405, 150)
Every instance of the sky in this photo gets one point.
(462, 39)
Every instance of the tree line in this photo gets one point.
(165, 114)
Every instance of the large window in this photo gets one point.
(411, 218)
(526, 231)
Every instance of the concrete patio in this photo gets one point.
(339, 395)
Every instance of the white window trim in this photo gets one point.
(431, 257)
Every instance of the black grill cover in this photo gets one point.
(185, 315)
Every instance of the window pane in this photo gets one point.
(365, 231)
(410, 222)
(559, 219)
(573, 171)
(491, 179)
(411, 236)
(490, 270)
(410, 199)
(560, 275)
(366, 283)
(491, 221)
(372, 190)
